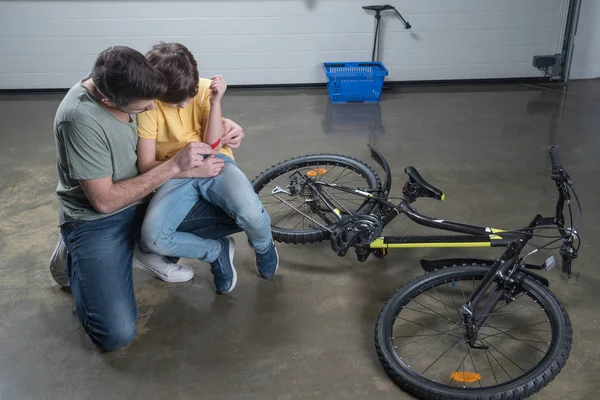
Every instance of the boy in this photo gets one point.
(190, 111)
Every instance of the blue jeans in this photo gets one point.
(99, 264)
(230, 190)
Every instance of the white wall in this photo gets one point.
(51, 44)
(586, 54)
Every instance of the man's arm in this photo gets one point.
(107, 196)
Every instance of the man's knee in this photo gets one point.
(117, 335)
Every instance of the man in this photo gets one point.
(103, 197)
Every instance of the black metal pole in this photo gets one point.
(376, 38)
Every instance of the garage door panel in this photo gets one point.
(47, 43)
(282, 43)
(200, 45)
(184, 27)
(288, 60)
(164, 27)
(245, 8)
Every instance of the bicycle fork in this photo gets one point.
(504, 268)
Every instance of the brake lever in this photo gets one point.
(568, 254)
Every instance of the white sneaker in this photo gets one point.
(57, 264)
(168, 272)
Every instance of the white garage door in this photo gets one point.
(51, 44)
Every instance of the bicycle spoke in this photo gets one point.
(436, 360)
(498, 362)
(463, 294)
(433, 334)
(282, 207)
(461, 364)
(456, 306)
(445, 307)
(283, 217)
(510, 313)
(518, 339)
(501, 353)
(340, 176)
(452, 352)
(443, 316)
(426, 327)
(426, 313)
(491, 367)
(474, 367)
(414, 341)
(429, 348)
(434, 299)
(526, 327)
(301, 220)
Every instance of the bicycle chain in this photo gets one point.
(335, 201)
(301, 213)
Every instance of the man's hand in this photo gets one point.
(191, 156)
(233, 134)
(209, 168)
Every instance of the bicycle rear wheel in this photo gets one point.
(420, 339)
(302, 217)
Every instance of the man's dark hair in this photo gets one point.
(177, 63)
(122, 75)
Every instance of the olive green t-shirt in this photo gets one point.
(90, 143)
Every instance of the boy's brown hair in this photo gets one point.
(178, 65)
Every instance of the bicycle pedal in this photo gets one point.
(549, 263)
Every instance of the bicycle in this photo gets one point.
(461, 306)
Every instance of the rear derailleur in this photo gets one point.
(355, 231)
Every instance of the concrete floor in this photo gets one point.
(308, 334)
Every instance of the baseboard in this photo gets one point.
(446, 82)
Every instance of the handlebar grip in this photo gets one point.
(555, 160)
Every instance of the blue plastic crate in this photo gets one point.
(355, 81)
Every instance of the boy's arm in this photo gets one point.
(215, 128)
(147, 155)
(147, 127)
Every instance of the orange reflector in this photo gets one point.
(316, 172)
(469, 377)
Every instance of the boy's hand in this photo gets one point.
(210, 167)
(218, 86)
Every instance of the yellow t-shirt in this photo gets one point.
(173, 128)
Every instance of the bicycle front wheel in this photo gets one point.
(422, 342)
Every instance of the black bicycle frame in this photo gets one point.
(473, 235)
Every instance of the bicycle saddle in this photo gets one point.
(418, 187)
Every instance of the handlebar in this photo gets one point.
(558, 172)
(563, 182)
